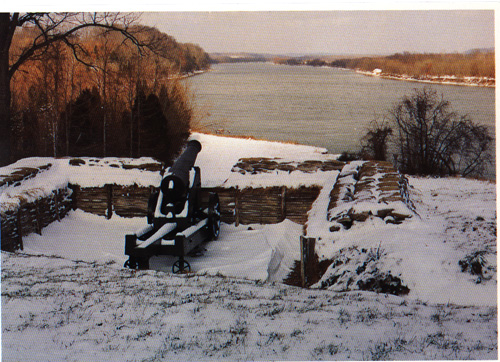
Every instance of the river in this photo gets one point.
(318, 106)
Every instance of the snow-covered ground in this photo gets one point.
(424, 251)
(455, 218)
(55, 309)
(219, 154)
(444, 79)
(80, 304)
(257, 252)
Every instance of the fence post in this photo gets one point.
(109, 192)
(37, 218)
(236, 207)
(19, 230)
(307, 246)
(75, 194)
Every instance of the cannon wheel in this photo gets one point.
(137, 263)
(131, 264)
(214, 216)
(181, 266)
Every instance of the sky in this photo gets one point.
(331, 32)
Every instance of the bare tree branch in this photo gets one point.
(61, 27)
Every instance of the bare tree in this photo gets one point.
(432, 139)
(376, 139)
(51, 28)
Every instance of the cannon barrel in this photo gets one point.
(186, 160)
(176, 183)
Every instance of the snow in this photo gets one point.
(55, 309)
(92, 238)
(219, 154)
(68, 291)
(216, 159)
(424, 250)
(93, 173)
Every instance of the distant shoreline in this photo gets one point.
(470, 81)
(445, 80)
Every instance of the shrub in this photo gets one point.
(429, 138)
(375, 141)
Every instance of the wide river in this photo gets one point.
(318, 106)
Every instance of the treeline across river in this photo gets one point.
(111, 99)
(476, 63)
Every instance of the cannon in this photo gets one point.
(179, 217)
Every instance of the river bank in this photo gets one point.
(434, 79)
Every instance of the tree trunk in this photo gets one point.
(5, 124)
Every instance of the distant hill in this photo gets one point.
(480, 50)
(238, 57)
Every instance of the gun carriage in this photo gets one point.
(179, 216)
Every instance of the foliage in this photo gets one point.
(472, 64)
(416, 65)
(159, 123)
(103, 96)
(85, 120)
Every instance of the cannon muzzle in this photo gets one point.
(175, 185)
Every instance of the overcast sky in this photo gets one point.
(333, 32)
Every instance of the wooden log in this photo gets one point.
(93, 200)
(56, 204)
(31, 217)
(47, 211)
(38, 223)
(27, 219)
(131, 201)
(265, 205)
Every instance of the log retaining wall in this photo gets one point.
(268, 205)
(240, 206)
(126, 201)
(33, 217)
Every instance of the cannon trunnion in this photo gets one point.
(180, 217)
